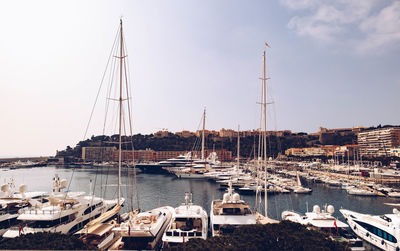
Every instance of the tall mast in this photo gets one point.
(120, 119)
(264, 134)
(238, 150)
(202, 137)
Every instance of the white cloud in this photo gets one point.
(362, 25)
(382, 29)
(299, 4)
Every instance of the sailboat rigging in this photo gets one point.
(262, 160)
(98, 233)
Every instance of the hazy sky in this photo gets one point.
(332, 63)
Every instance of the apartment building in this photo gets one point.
(379, 142)
(98, 153)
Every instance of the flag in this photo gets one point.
(334, 223)
(266, 44)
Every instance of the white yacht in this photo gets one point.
(229, 213)
(144, 230)
(322, 220)
(176, 164)
(315, 219)
(361, 191)
(62, 213)
(382, 231)
(11, 202)
(188, 221)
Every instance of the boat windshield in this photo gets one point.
(186, 224)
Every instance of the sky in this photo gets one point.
(332, 63)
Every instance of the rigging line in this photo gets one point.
(126, 148)
(92, 192)
(106, 182)
(110, 81)
(127, 78)
(196, 144)
(98, 92)
(91, 114)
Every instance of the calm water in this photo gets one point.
(158, 190)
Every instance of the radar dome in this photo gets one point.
(4, 188)
(64, 183)
(23, 188)
(236, 197)
(316, 209)
(330, 209)
(226, 197)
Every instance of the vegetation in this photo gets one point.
(44, 241)
(248, 145)
(283, 236)
(172, 142)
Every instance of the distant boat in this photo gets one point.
(299, 188)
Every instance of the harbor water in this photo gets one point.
(156, 190)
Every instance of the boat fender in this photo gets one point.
(397, 249)
(355, 227)
(367, 234)
(383, 242)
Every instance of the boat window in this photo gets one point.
(384, 217)
(184, 233)
(198, 234)
(231, 211)
(377, 231)
(50, 223)
(176, 233)
(191, 234)
(169, 233)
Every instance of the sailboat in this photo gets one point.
(299, 188)
(262, 159)
(99, 233)
(132, 230)
(196, 168)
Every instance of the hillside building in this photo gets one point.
(379, 142)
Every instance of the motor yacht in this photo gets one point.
(63, 213)
(382, 231)
(144, 230)
(188, 222)
(12, 201)
(229, 213)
